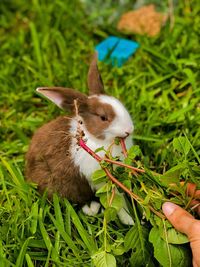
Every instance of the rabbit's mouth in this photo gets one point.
(123, 136)
(126, 135)
(109, 136)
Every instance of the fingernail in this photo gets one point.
(168, 208)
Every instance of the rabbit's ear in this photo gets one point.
(63, 97)
(94, 80)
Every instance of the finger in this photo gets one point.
(195, 205)
(191, 191)
(197, 195)
(185, 223)
(178, 217)
(191, 188)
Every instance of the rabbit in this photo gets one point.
(54, 159)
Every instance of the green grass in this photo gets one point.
(49, 43)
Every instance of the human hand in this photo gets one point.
(186, 223)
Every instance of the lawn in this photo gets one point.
(45, 43)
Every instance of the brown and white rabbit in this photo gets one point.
(55, 161)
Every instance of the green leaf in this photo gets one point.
(127, 183)
(117, 203)
(105, 188)
(118, 247)
(104, 259)
(110, 214)
(169, 255)
(134, 151)
(136, 239)
(117, 141)
(173, 174)
(175, 237)
(100, 149)
(131, 238)
(137, 260)
(182, 145)
(99, 176)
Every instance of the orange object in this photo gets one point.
(145, 20)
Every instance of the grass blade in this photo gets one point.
(87, 239)
(28, 260)
(58, 213)
(34, 218)
(65, 236)
(20, 259)
(36, 44)
(51, 249)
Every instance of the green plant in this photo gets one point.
(50, 43)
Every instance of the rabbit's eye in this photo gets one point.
(103, 118)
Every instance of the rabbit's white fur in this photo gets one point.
(121, 122)
(91, 209)
(88, 165)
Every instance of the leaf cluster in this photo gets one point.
(153, 190)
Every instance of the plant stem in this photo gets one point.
(123, 145)
(98, 158)
(115, 181)
(90, 151)
(124, 151)
(130, 193)
(124, 165)
(112, 197)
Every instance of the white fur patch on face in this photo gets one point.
(86, 163)
(122, 125)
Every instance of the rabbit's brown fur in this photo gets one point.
(50, 166)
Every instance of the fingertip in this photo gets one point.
(168, 208)
(191, 189)
(178, 217)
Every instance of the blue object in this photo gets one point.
(106, 47)
(116, 50)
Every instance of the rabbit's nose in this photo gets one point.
(128, 131)
(125, 135)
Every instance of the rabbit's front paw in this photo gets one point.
(124, 217)
(91, 209)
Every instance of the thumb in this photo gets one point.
(178, 217)
(185, 223)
